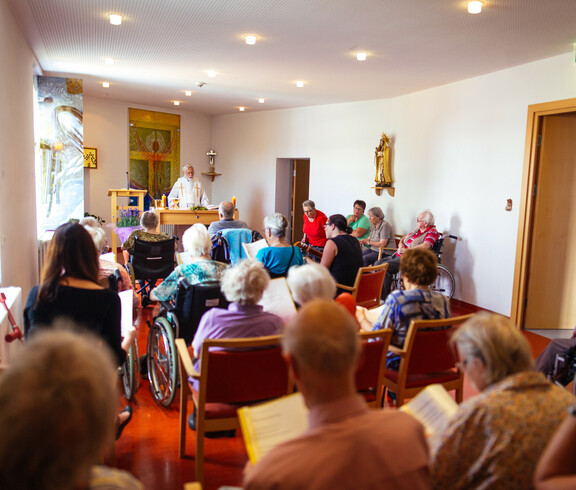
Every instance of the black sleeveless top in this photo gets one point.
(347, 261)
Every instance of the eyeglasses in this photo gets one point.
(358, 208)
(308, 211)
(462, 364)
(328, 224)
(420, 220)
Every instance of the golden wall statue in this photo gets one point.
(382, 163)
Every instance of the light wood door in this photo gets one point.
(551, 285)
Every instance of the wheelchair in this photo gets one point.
(128, 370)
(445, 282)
(178, 319)
(151, 261)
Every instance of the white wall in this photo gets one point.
(458, 150)
(106, 128)
(18, 249)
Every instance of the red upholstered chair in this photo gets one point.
(249, 371)
(371, 366)
(368, 285)
(425, 359)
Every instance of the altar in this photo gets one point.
(188, 217)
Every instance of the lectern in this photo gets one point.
(115, 194)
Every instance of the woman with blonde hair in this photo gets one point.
(496, 438)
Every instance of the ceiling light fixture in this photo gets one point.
(250, 39)
(212, 73)
(474, 7)
(188, 93)
(105, 84)
(361, 56)
(261, 100)
(115, 19)
(300, 83)
(176, 102)
(109, 61)
(241, 109)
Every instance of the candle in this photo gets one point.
(234, 201)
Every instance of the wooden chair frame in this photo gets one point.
(370, 381)
(373, 302)
(397, 239)
(257, 347)
(399, 387)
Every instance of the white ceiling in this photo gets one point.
(165, 47)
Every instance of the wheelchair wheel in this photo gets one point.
(444, 283)
(162, 361)
(129, 372)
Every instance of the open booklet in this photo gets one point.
(268, 424)
(433, 407)
(277, 299)
(251, 249)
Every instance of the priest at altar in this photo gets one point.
(188, 191)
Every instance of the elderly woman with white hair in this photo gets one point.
(311, 281)
(149, 222)
(496, 438)
(279, 255)
(202, 269)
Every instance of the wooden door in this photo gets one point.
(551, 278)
(300, 188)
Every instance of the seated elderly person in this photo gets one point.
(201, 270)
(381, 235)
(149, 221)
(346, 445)
(419, 268)
(496, 438)
(107, 267)
(425, 236)
(59, 400)
(227, 221)
(279, 255)
(358, 221)
(311, 281)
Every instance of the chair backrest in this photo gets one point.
(242, 370)
(192, 302)
(153, 260)
(427, 345)
(372, 362)
(437, 247)
(368, 285)
(235, 237)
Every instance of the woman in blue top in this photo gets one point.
(201, 270)
(280, 255)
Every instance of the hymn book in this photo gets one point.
(251, 249)
(433, 407)
(269, 424)
(277, 299)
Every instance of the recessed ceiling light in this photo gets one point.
(475, 7)
(261, 100)
(300, 83)
(241, 109)
(361, 56)
(176, 102)
(212, 73)
(105, 84)
(109, 61)
(188, 93)
(250, 39)
(115, 19)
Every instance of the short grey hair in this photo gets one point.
(89, 221)
(98, 236)
(149, 220)
(226, 209)
(376, 211)
(497, 342)
(187, 166)
(59, 404)
(428, 217)
(196, 240)
(309, 203)
(323, 338)
(311, 281)
(245, 282)
(276, 223)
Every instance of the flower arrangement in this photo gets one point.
(128, 217)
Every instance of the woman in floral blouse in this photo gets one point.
(496, 438)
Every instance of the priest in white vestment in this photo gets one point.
(188, 190)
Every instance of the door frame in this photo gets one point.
(526, 212)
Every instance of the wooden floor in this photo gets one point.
(148, 447)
